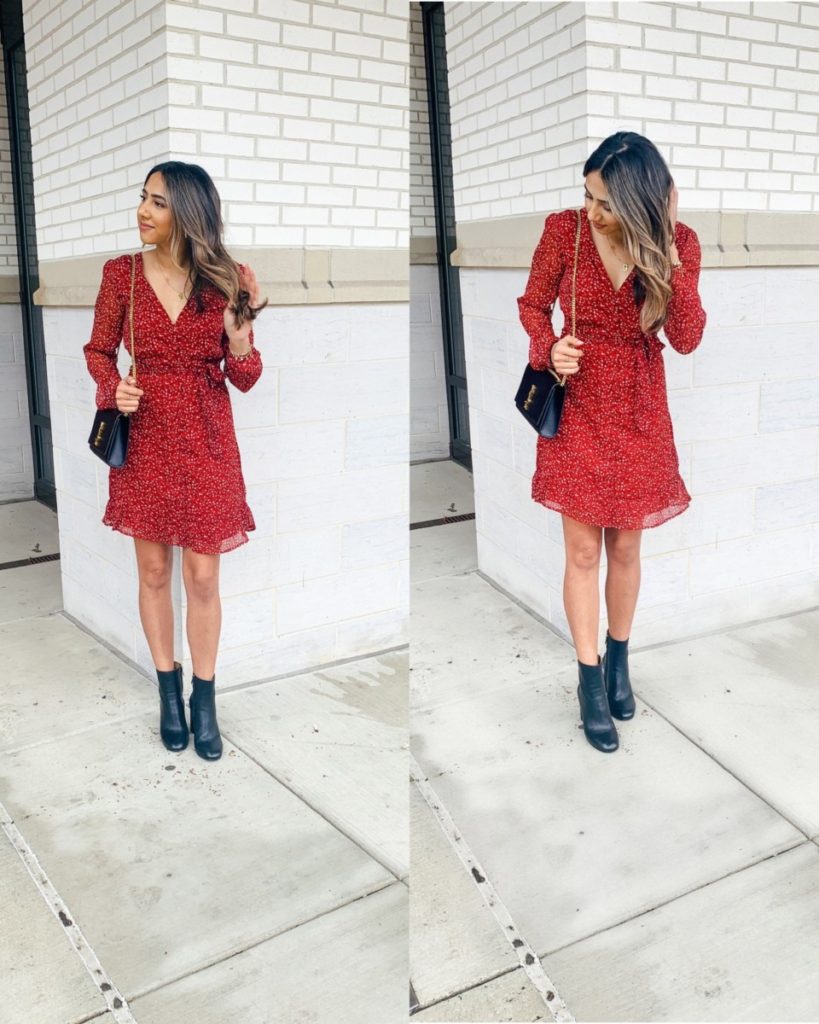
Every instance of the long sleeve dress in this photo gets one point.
(182, 481)
(613, 462)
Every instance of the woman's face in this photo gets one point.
(153, 213)
(597, 207)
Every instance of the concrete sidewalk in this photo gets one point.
(674, 880)
(140, 885)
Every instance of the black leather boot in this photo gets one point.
(594, 708)
(205, 728)
(615, 675)
(172, 725)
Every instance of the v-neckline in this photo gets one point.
(600, 259)
(159, 302)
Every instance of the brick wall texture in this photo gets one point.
(728, 91)
(298, 109)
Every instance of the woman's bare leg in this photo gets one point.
(200, 574)
(581, 597)
(622, 580)
(154, 564)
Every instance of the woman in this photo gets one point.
(181, 483)
(612, 469)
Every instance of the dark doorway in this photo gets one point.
(441, 150)
(14, 61)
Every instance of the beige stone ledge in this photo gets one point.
(423, 249)
(9, 290)
(287, 277)
(752, 239)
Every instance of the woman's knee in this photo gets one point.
(623, 549)
(155, 573)
(583, 554)
(201, 583)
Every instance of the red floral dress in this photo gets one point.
(182, 481)
(613, 462)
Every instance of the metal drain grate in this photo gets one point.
(33, 560)
(465, 518)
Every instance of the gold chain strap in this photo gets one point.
(574, 276)
(131, 319)
(562, 380)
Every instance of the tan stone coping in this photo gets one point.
(423, 249)
(742, 239)
(9, 289)
(288, 277)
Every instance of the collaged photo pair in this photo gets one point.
(409, 511)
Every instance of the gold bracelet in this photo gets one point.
(244, 355)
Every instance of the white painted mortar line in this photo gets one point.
(115, 1000)
(524, 952)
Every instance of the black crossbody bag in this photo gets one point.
(540, 395)
(109, 435)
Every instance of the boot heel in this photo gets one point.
(205, 728)
(172, 725)
(598, 727)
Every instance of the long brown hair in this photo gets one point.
(639, 183)
(197, 235)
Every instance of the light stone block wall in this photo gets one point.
(16, 469)
(323, 439)
(299, 111)
(728, 91)
(429, 420)
(747, 432)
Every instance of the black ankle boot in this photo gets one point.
(615, 675)
(594, 708)
(172, 725)
(205, 728)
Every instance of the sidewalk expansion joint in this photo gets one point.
(274, 933)
(114, 999)
(529, 960)
(394, 871)
(798, 845)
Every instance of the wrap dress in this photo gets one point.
(613, 462)
(182, 481)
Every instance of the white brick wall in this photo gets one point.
(429, 420)
(728, 92)
(298, 111)
(8, 240)
(422, 215)
(747, 432)
(98, 99)
(324, 574)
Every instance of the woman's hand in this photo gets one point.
(239, 336)
(128, 395)
(566, 355)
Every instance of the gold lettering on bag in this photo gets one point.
(100, 432)
(530, 397)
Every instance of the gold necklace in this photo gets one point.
(626, 266)
(182, 296)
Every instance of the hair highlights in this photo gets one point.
(639, 183)
(197, 234)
